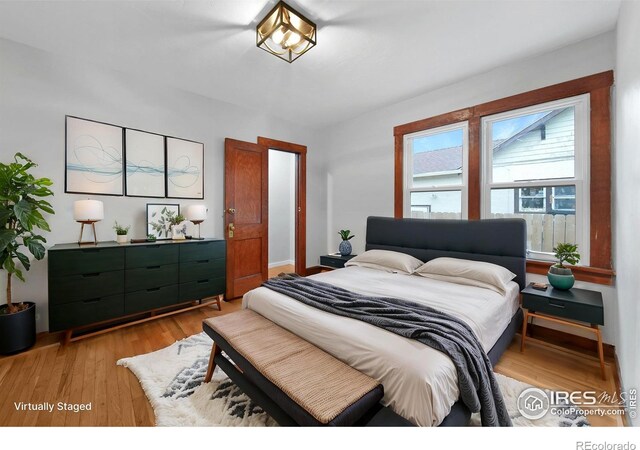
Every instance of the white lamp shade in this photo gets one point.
(196, 213)
(88, 210)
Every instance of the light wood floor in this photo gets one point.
(86, 371)
(274, 271)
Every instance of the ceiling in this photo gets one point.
(370, 53)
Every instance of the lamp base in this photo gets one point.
(93, 227)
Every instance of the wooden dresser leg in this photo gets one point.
(67, 337)
(218, 302)
(524, 330)
(215, 350)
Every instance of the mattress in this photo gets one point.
(420, 383)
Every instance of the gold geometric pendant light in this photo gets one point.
(286, 33)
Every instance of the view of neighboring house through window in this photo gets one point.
(436, 173)
(536, 167)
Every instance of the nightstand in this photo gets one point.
(567, 308)
(334, 261)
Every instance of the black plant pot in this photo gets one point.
(18, 331)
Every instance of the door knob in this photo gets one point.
(231, 228)
(231, 210)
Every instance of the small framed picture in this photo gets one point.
(159, 217)
(185, 169)
(93, 157)
(144, 164)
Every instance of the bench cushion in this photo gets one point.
(316, 381)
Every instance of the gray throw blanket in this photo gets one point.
(478, 387)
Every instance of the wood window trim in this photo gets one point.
(598, 86)
(301, 196)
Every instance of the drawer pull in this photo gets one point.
(202, 261)
(88, 275)
(557, 305)
(153, 246)
(202, 281)
(153, 289)
(153, 267)
(92, 300)
(90, 250)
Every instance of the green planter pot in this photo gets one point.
(562, 279)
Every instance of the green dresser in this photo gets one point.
(104, 282)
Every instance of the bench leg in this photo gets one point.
(215, 350)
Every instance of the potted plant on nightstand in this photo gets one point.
(21, 208)
(121, 233)
(345, 245)
(560, 276)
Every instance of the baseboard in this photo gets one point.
(565, 339)
(288, 262)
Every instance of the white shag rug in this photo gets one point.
(172, 378)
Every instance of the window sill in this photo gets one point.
(582, 273)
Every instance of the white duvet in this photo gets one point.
(420, 383)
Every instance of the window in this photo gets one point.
(435, 178)
(535, 166)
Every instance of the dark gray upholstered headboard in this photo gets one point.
(498, 241)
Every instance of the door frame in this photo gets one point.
(301, 196)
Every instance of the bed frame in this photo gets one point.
(500, 241)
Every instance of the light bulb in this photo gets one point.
(277, 36)
(292, 39)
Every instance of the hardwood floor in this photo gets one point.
(274, 271)
(86, 371)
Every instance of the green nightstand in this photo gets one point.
(567, 308)
(334, 261)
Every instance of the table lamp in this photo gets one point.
(88, 212)
(197, 214)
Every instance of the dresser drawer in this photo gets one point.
(88, 260)
(85, 312)
(198, 251)
(201, 270)
(197, 290)
(151, 255)
(563, 308)
(73, 288)
(150, 277)
(150, 299)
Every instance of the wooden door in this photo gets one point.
(246, 215)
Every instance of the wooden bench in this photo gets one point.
(292, 380)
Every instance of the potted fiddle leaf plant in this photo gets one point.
(22, 206)
(560, 276)
(345, 245)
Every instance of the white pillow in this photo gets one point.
(467, 272)
(386, 260)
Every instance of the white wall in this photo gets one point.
(360, 161)
(627, 194)
(38, 88)
(281, 208)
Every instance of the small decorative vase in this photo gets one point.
(560, 278)
(121, 238)
(345, 248)
(178, 232)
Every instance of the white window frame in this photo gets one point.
(581, 179)
(408, 168)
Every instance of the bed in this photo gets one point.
(420, 383)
